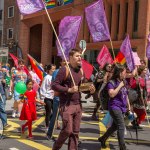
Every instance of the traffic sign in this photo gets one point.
(82, 44)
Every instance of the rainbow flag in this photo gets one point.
(120, 58)
(50, 3)
(67, 1)
(37, 68)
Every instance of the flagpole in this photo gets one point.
(58, 41)
(112, 48)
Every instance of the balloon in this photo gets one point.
(20, 87)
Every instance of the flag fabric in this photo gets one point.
(97, 22)
(87, 69)
(50, 3)
(127, 52)
(120, 58)
(104, 57)
(148, 48)
(37, 68)
(67, 2)
(136, 59)
(15, 59)
(68, 33)
(29, 6)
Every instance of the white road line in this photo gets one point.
(13, 148)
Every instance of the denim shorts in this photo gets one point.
(16, 96)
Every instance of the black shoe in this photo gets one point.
(123, 147)
(48, 137)
(102, 141)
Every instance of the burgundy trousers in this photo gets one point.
(71, 118)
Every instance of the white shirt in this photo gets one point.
(46, 90)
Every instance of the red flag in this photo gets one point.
(15, 59)
(104, 57)
(120, 58)
(87, 69)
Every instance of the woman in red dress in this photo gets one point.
(29, 108)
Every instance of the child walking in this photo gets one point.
(29, 108)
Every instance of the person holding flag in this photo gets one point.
(70, 101)
(20, 75)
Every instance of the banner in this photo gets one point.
(104, 57)
(148, 48)
(97, 23)
(87, 69)
(68, 33)
(3, 52)
(127, 52)
(29, 6)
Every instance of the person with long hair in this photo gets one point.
(118, 105)
(139, 106)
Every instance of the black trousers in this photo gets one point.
(118, 124)
(48, 109)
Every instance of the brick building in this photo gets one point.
(36, 36)
(1, 20)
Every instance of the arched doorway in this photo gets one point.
(36, 42)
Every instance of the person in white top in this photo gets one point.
(47, 93)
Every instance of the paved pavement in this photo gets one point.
(90, 131)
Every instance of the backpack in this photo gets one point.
(67, 74)
(104, 96)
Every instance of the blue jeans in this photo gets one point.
(53, 116)
(3, 114)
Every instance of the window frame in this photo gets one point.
(8, 33)
(9, 11)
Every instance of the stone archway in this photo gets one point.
(36, 42)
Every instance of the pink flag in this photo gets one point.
(104, 57)
(97, 22)
(29, 6)
(136, 58)
(15, 59)
(87, 69)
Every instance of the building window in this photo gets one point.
(10, 11)
(1, 14)
(10, 33)
(136, 12)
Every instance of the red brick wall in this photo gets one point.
(11, 22)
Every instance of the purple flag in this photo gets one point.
(148, 48)
(96, 19)
(127, 52)
(68, 32)
(30, 6)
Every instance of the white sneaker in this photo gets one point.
(14, 113)
(18, 114)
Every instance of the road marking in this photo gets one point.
(13, 148)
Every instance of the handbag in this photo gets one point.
(133, 95)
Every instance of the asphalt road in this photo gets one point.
(90, 131)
